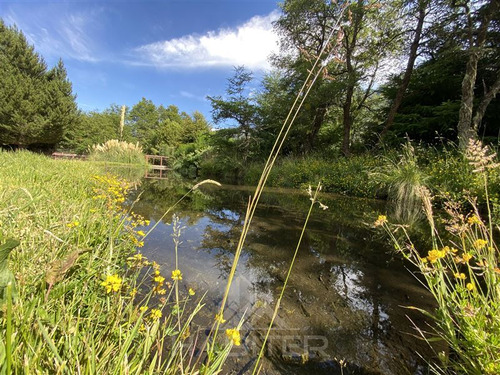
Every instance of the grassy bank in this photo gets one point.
(444, 171)
(76, 296)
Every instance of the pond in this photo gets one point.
(346, 296)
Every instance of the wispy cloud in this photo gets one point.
(66, 35)
(189, 95)
(249, 44)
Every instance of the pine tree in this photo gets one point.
(36, 104)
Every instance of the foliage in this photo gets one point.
(93, 128)
(343, 176)
(239, 107)
(188, 157)
(462, 273)
(36, 104)
(118, 152)
(159, 129)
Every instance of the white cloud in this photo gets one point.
(249, 44)
(59, 35)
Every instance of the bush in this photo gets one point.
(118, 152)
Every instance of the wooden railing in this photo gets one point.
(157, 161)
(63, 155)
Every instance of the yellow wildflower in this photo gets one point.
(159, 279)
(155, 314)
(470, 286)
(473, 220)
(480, 243)
(137, 260)
(141, 233)
(112, 283)
(143, 308)
(220, 318)
(466, 257)
(176, 275)
(434, 255)
(381, 220)
(146, 222)
(460, 275)
(73, 224)
(423, 260)
(234, 336)
(133, 292)
(191, 292)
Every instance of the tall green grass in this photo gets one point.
(462, 273)
(87, 301)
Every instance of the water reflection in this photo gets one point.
(345, 294)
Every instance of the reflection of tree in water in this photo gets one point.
(340, 288)
(158, 196)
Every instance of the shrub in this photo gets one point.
(118, 152)
(401, 178)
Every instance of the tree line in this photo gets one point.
(428, 70)
(424, 69)
(38, 109)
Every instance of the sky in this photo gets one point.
(171, 52)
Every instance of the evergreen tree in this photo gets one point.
(36, 104)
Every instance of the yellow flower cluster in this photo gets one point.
(73, 224)
(220, 318)
(470, 286)
(382, 219)
(176, 275)
(434, 255)
(111, 189)
(113, 283)
(234, 336)
(155, 314)
(466, 257)
(159, 281)
(480, 243)
(474, 220)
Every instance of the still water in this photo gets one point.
(346, 296)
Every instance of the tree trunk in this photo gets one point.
(465, 127)
(409, 67)
(319, 119)
(350, 47)
(347, 121)
(487, 98)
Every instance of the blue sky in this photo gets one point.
(172, 52)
